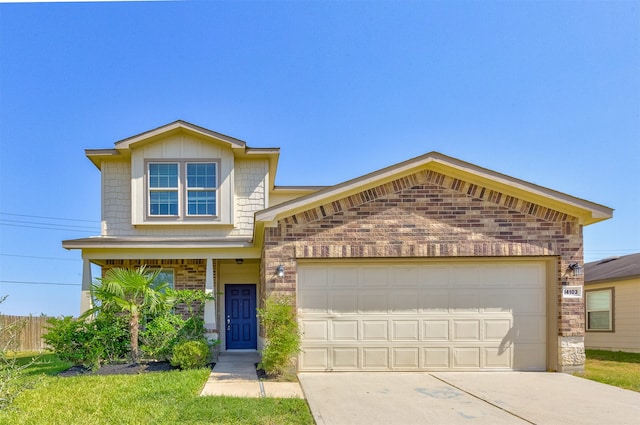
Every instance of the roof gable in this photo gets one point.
(587, 212)
(178, 127)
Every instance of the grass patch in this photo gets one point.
(45, 363)
(614, 368)
(150, 398)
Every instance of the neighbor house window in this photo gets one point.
(182, 189)
(600, 310)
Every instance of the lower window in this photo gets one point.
(600, 310)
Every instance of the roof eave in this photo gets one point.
(154, 243)
(177, 126)
(588, 212)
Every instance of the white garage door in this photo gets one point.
(432, 316)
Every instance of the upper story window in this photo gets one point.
(163, 189)
(182, 189)
(201, 185)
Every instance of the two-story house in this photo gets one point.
(430, 264)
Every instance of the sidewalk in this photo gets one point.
(234, 375)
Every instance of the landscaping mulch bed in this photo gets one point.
(121, 369)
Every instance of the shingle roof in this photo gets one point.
(612, 268)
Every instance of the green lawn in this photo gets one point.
(152, 398)
(614, 368)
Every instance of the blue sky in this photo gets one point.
(548, 92)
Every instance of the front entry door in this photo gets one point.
(240, 317)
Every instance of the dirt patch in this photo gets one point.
(289, 376)
(121, 369)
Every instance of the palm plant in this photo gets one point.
(131, 291)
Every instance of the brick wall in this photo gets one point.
(428, 215)
(187, 274)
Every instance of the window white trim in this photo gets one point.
(599, 304)
(182, 191)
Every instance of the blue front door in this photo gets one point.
(240, 317)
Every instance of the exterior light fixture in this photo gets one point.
(280, 271)
(576, 269)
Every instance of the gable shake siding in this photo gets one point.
(429, 215)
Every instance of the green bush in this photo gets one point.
(88, 342)
(190, 354)
(279, 322)
(160, 336)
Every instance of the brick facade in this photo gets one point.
(431, 215)
(187, 274)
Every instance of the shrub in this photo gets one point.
(88, 343)
(281, 330)
(190, 354)
(160, 335)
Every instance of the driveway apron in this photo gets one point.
(465, 398)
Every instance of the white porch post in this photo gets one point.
(210, 306)
(85, 297)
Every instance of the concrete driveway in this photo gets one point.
(465, 398)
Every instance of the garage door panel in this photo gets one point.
(375, 357)
(499, 358)
(375, 330)
(435, 301)
(497, 301)
(343, 302)
(530, 276)
(467, 276)
(466, 357)
(314, 358)
(315, 330)
(406, 358)
(372, 302)
(313, 301)
(373, 277)
(529, 329)
(406, 330)
(466, 330)
(404, 302)
(342, 277)
(496, 329)
(435, 330)
(436, 357)
(528, 301)
(314, 276)
(436, 276)
(464, 301)
(344, 330)
(405, 276)
(345, 358)
(456, 316)
(528, 357)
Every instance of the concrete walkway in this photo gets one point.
(234, 375)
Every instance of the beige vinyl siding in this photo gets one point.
(626, 318)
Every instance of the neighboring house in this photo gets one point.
(429, 264)
(612, 303)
